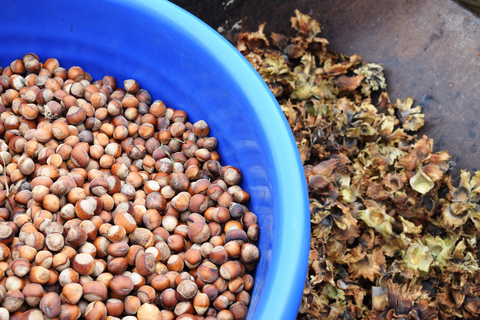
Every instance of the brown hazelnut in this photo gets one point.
(76, 73)
(145, 264)
(95, 291)
(116, 233)
(121, 285)
(208, 272)
(20, 267)
(76, 236)
(184, 308)
(201, 128)
(175, 263)
(54, 242)
(35, 240)
(117, 265)
(142, 237)
(79, 157)
(168, 299)
(201, 303)
(114, 307)
(146, 294)
(198, 232)
(156, 200)
(219, 255)
(211, 291)
(152, 219)
(193, 258)
(118, 249)
(72, 292)
(230, 270)
(96, 311)
(85, 209)
(148, 311)
(220, 215)
(50, 304)
(83, 263)
(179, 181)
(60, 262)
(33, 293)
(69, 312)
(13, 300)
(237, 235)
(221, 303)
(176, 242)
(6, 234)
(131, 305)
(187, 289)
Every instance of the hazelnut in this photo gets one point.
(61, 262)
(85, 209)
(95, 291)
(237, 235)
(83, 263)
(79, 157)
(72, 292)
(146, 294)
(76, 236)
(50, 304)
(198, 232)
(193, 258)
(131, 305)
(201, 128)
(201, 303)
(117, 265)
(219, 255)
(6, 234)
(184, 308)
(118, 249)
(142, 237)
(175, 263)
(249, 253)
(230, 270)
(96, 311)
(121, 285)
(145, 264)
(115, 307)
(211, 291)
(160, 282)
(69, 312)
(33, 293)
(148, 311)
(187, 289)
(168, 299)
(12, 301)
(54, 242)
(99, 186)
(221, 303)
(20, 267)
(208, 272)
(179, 181)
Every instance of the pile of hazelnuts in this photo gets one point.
(114, 206)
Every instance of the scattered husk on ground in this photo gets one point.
(391, 236)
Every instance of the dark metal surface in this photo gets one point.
(430, 51)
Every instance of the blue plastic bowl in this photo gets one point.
(183, 62)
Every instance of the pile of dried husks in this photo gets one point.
(391, 236)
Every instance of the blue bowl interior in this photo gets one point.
(183, 62)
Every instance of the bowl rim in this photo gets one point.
(284, 283)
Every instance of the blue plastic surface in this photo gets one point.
(185, 63)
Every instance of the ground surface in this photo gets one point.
(430, 51)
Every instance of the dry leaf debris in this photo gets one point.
(391, 236)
